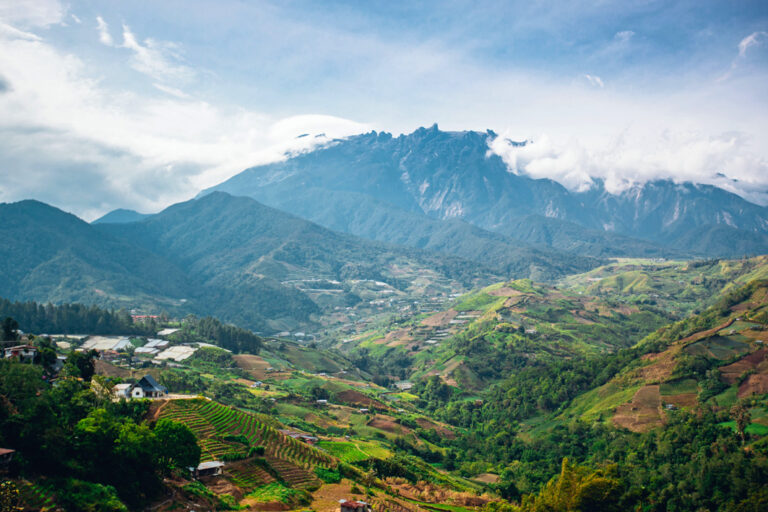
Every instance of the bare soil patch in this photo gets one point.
(755, 384)
(440, 319)
(398, 337)
(487, 478)
(662, 366)
(326, 498)
(731, 373)
(388, 424)
(110, 370)
(756, 335)
(352, 397)
(505, 292)
(254, 365)
(641, 414)
(222, 486)
(440, 429)
(682, 400)
(254, 505)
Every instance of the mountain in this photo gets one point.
(570, 237)
(362, 215)
(256, 258)
(243, 261)
(120, 216)
(50, 255)
(453, 176)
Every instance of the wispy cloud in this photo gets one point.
(624, 36)
(595, 80)
(177, 93)
(157, 59)
(753, 39)
(104, 36)
(32, 13)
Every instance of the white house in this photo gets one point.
(24, 353)
(147, 387)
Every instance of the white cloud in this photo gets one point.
(595, 80)
(624, 36)
(104, 36)
(31, 13)
(81, 145)
(157, 59)
(13, 32)
(178, 93)
(753, 39)
(631, 159)
(76, 19)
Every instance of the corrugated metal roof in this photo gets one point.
(210, 465)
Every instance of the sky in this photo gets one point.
(140, 104)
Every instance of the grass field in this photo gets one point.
(753, 428)
(273, 492)
(597, 402)
(678, 387)
(346, 451)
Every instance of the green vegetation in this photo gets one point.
(94, 452)
(344, 451)
(72, 319)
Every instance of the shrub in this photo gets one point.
(328, 476)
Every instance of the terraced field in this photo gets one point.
(35, 497)
(215, 425)
(248, 476)
(293, 475)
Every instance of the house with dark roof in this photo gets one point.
(147, 387)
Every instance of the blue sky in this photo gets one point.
(110, 104)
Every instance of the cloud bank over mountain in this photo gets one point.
(102, 106)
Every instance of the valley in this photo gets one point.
(269, 256)
(402, 412)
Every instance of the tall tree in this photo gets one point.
(177, 445)
(10, 328)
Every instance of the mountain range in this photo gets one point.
(230, 256)
(394, 189)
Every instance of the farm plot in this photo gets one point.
(344, 450)
(217, 428)
(718, 347)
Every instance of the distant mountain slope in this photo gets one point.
(50, 255)
(120, 216)
(570, 237)
(714, 358)
(249, 254)
(232, 257)
(361, 215)
(220, 234)
(452, 175)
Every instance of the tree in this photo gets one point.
(743, 418)
(10, 328)
(177, 445)
(577, 488)
(80, 364)
(46, 354)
